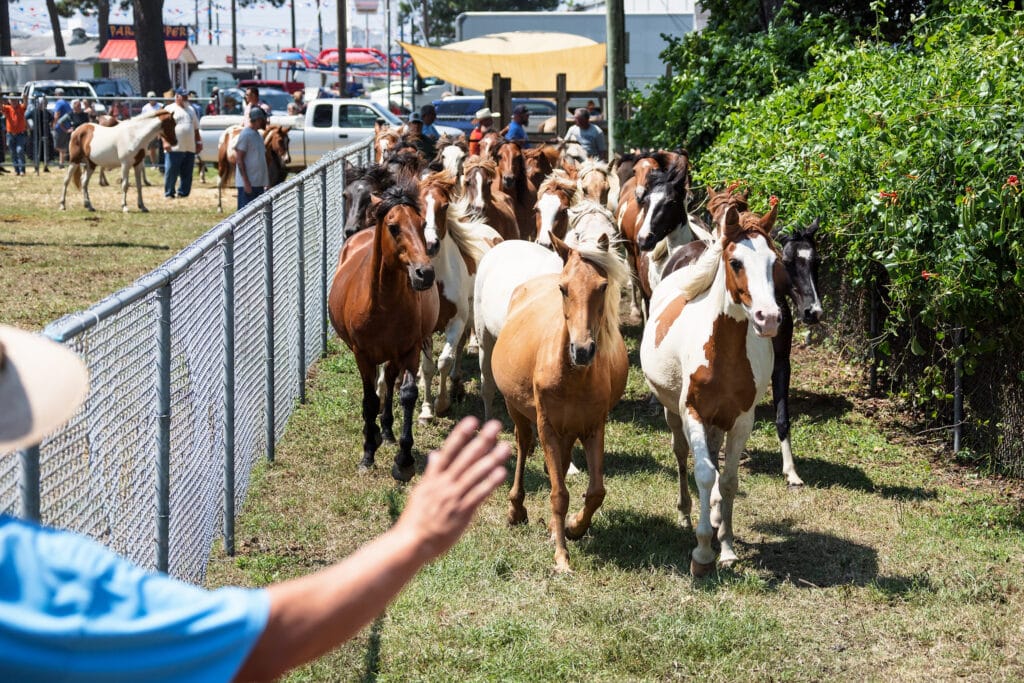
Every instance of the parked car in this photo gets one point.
(113, 87)
(73, 90)
(458, 111)
(287, 86)
(277, 99)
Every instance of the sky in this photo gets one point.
(258, 24)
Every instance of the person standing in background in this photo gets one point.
(40, 122)
(62, 126)
(179, 160)
(484, 120)
(590, 137)
(516, 131)
(153, 151)
(17, 130)
(251, 173)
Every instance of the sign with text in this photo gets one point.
(366, 6)
(127, 32)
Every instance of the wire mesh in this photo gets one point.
(98, 474)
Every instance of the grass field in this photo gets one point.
(890, 564)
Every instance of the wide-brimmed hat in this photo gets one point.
(42, 384)
(151, 94)
(486, 113)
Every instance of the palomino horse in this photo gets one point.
(385, 140)
(595, 181)
(511, 179)
(483, 202)
(801, 260)
(360, 185)
(561, 363)
(554, 197)
(455, 247)
(384, 305)
(707, 356)
(276, 142)
(452, 153)
(122, 145)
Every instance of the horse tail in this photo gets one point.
(76, 175)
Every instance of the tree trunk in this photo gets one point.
(103, 19)
(426, 23)
(5, 28)
(58, 39)
(149, 43)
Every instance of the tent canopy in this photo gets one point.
(531, 59)
(125, 50)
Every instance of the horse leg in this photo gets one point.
(556, 452)
(103, 179)
(371, 404)
(89, 170)
(138, 186)
(524, 447)
(728, 483)
(593, 445)
(427, 371)
(446, 364)
(386, 394)
(487, 385)
(705, 472)
(64, 192)
(405, 465)
(780, 398)
(681, 450)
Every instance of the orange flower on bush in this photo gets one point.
(928, 276)
(1012, 181)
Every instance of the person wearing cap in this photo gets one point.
(590, 137)
(154, 148)
(516, 130)
(251, 173)
(428, 113)
(62, 126)
(424, 144)
(40, 122)
(484, 120)
(73, 610)
(17, 129)
(179, 160)
(252, 99)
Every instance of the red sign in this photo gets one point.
(127, 32)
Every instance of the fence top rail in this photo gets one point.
(73, 324)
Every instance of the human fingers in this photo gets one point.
(456, 440)
(484, 442)
(485, 475)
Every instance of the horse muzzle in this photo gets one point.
(811, 315)
(647, 242)
(421, 277)
(766, 323)
(582, 355)
(433, 246)
(508, 182)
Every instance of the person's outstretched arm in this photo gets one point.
(315, 613)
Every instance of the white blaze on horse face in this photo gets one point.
(430, 231)
(656, 197)
(758, 261)
(478, 197)
(814, 309)
(450, 159)
(547, 206)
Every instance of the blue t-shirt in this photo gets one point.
(62, 108)
(73, 610)
(516, 132)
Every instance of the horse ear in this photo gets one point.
(602, 242)
(561, 248)
(729, 224)
(812, 228)
(768, 220)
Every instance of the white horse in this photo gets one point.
(122, 145)
(707, 355)
(512, 263)
(455, 245)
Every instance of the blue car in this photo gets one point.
(458, 112)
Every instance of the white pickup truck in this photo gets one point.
(327, 125)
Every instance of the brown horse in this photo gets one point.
(385, 140)
(489, 144)
(482, 201)
(555, 196)
(511, 179)
(561, 364)
(383, 303)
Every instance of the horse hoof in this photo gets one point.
(794, 485)
(699, 569)
(574, 531)
(141, 208)
(573, 470)
(365, 465)
(388, 436)
(403, 473)
(562, 565)
(516, 515)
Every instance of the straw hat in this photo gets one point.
(485, 113)
(42, 384)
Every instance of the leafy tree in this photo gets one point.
(58, 39)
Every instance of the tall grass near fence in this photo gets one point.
(194, 371)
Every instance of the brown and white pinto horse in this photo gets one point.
(383, 303)
(482, 201)
(706, 352)
(560, 362)
(385, 140)
(455, 246)
(554, 197)
(122, 145)
(489, 144)
(276, 142)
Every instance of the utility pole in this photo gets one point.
(616, 74)
(234, 38)
(294, 44)
(342, 46)
(5, 22)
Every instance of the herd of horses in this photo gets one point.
(526, 254)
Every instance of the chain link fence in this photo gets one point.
(194, 372)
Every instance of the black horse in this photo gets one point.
(801, 261)
(360, 184)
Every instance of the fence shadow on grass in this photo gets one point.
(87, 245)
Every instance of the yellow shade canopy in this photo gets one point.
(526, 57)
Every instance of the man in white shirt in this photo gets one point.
(590, 137)
(251, 173)
(180, 159)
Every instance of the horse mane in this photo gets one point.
(448, 141)
(140, 129)
(489, 165)
(402, 193)
(557, 182)
(591, 165)
(667, 176)
(613, 262)
(442, 179)
(473, 236)
(588, 207)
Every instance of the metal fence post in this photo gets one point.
(301, 239)
(163, 474)
(323, 260)
(229, 392)
(268, 294)
(29, 485)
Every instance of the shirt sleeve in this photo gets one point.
(72, 610)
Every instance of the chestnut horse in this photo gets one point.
(122, 145)
(561, 364)
(384, 305)
(482, 201)
(511, 179)
(707, 355)
(554, 197)
(455, 246)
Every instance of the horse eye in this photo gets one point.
(603, 288)
(394, 229)
(736, 264)
(564, 290)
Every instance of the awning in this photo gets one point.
(125, 50)
(524, 56)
